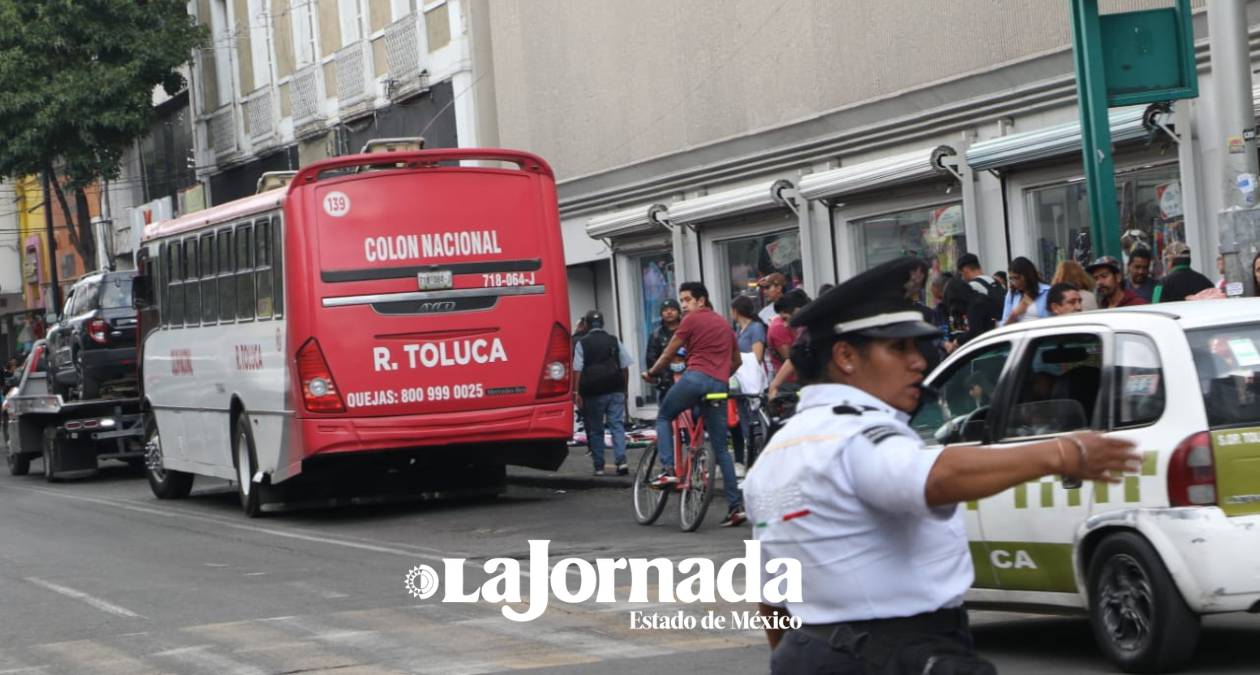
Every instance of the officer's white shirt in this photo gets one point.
(841, 489)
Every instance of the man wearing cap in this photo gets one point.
(772, 288)
(1109, 285)
(849, 489)
(600, 367)
(671, 316)
(1180, 282)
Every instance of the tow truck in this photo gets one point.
(71, 437)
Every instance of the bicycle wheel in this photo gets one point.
(649, 502)
(760, 432)
(694, 500)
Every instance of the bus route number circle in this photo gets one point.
(336, 204)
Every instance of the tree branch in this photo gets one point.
(65, 211)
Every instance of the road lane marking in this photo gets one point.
(90, 656)
(99, 603)
(200, 658)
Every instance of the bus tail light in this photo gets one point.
(319, 391)
(1192, 472)
(554, 380)
(98, 330)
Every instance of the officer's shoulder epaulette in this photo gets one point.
(880, 433)
(846, 409)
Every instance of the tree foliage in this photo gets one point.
(76, 84)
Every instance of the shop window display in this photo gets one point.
(751, 258)
(656, 284)
(935, 234)
(1151, 217)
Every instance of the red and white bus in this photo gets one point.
(410, 315)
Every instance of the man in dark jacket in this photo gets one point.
(671, 316)
(1180, 282)
(971, 312)
(600, 371)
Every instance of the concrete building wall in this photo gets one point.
(596, 84)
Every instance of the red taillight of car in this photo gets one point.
(554, 380)
(319, 391)
(98, 330)
(35, 357)
(1192, 472)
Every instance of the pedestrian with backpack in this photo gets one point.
(970, 271)
(600, 370)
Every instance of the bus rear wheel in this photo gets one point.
(165, 483)
(247, 490)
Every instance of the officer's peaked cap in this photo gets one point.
(872, 304)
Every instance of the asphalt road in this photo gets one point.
(96, 576)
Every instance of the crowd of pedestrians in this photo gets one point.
(695, 349)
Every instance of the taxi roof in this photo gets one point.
(1189, 314)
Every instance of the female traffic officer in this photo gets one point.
(849, 490)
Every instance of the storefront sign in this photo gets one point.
(1169, 196)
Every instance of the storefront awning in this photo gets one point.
(919, 165)
(728, 203)
(1050, 142)
(636, 220)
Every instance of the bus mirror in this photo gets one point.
(141, 291)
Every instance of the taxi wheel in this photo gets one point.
(249, 492)
(1139, 618)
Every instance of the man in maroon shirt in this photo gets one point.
(712, 357)
(1109, 284)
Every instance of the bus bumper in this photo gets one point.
(534, 436)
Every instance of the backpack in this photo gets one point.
(986, 286)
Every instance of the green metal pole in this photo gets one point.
(1100, 168)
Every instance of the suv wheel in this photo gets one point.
(1139, 618)
(89, 388)
(165, 483)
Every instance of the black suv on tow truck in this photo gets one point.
(94, 344)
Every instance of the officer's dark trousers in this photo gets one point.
(938, 643)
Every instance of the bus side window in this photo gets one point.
(176, 287)
(192, 287)
(227, 281)
(277, 263)
(262, 266)
(244, 273)
(209, 298)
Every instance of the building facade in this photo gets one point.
(722, 141)
(283, 83)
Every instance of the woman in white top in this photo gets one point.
(1027, 298)
(1071, 272)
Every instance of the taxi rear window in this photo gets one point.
(1227, 360)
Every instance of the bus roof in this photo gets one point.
(240, 208)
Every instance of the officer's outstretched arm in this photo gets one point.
(967, 473)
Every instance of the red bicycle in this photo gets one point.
(695, 465)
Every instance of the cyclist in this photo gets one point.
(712, 357)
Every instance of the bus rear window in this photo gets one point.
(1227, 359)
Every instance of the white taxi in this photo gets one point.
(1148, 556)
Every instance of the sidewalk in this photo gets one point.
(576, 473)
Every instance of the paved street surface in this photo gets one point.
(96, 576)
